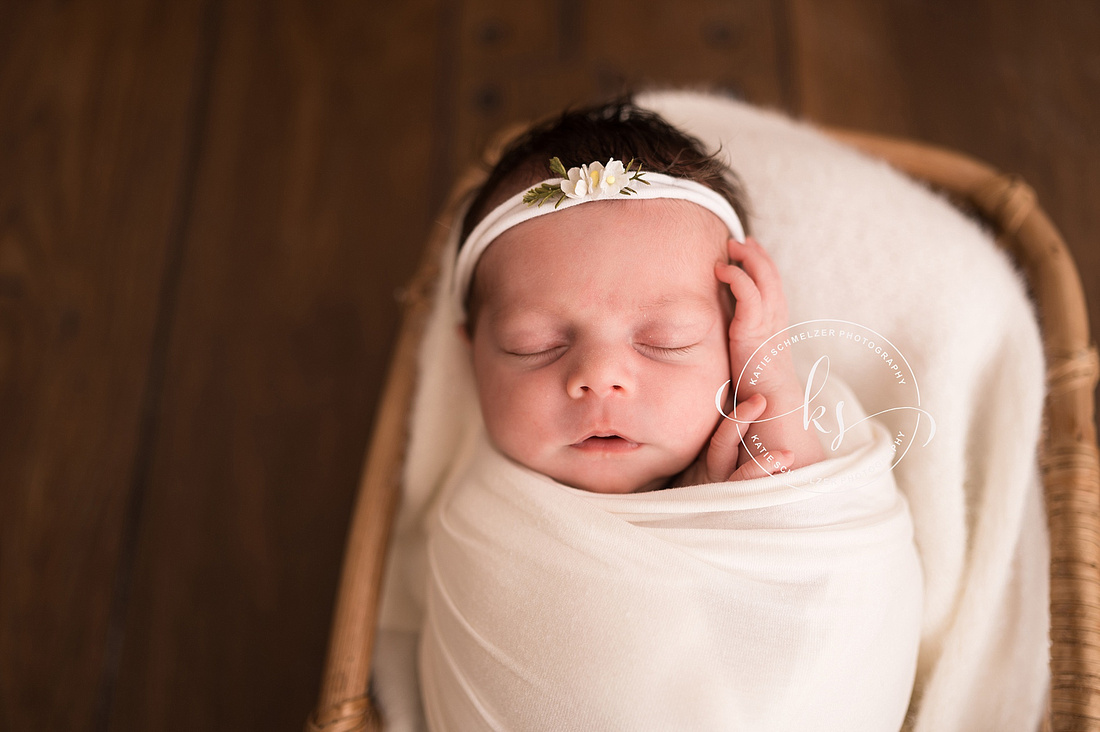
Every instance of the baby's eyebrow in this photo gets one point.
(522, 320)
(678, 300)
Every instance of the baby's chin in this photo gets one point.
(616, 484)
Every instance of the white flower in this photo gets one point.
(595, 180)
(576, 185)
(614, 177)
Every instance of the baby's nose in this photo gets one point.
(599, 373)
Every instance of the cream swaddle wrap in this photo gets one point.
(745, 605)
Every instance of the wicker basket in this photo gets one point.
(1068, 451)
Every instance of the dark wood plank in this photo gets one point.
(1016, 84)
(93, 144)
(734, 48)
(311, 206)
(516, 62)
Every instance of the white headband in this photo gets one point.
(585, 184)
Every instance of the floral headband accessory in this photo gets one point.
(574, 187)
(593, 179)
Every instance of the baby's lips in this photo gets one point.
(598, 445)
(608, 437)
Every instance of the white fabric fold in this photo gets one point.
(733, 606)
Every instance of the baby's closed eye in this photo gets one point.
(669, 340)
(536, 354)
(666, 349)
(531, 342)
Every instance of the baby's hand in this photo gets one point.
(760, 312)
(718, 461)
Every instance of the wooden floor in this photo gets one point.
(207, 210)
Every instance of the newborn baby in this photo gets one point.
(601, 334)
(602, 338)
(606, 306)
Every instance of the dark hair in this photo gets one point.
(617, 129)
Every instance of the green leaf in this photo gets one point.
(557, 167)
(541, 194)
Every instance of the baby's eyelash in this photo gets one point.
(677, 350)
(536, 355)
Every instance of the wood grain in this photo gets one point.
(518, 62)
(310, 207)
(93, 154)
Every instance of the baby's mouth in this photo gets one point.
(605, 442)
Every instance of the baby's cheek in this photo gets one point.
(501, 401)
(689, 404)
(515, 411)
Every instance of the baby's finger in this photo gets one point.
(748, 308)
(760, 267)
(761, 466)
(725, 444)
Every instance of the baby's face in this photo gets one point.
(601, 340)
